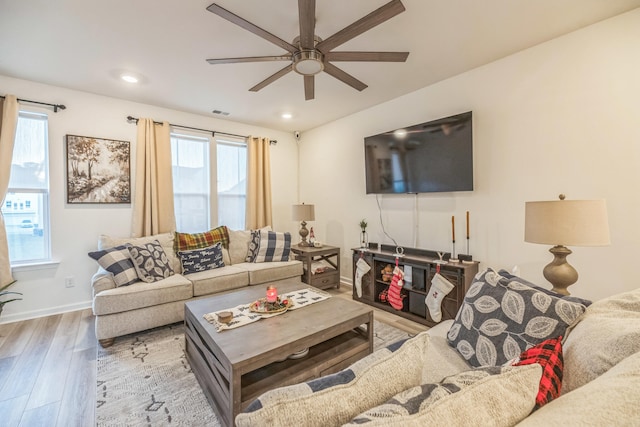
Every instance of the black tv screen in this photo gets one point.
(435, 156)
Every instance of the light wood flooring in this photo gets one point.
(48, 367)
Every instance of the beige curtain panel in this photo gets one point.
(153, 196)
(258, 183)
(8, 125)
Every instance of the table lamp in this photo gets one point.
(565, 222)
(303, 213)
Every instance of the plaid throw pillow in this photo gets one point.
(116, 261)
(273, 246)
(190, 241)
(547, 354)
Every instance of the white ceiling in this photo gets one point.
(84, 44)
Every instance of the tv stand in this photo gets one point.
(419, 266)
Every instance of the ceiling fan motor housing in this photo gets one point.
(308, 62)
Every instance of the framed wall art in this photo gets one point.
(98, 170)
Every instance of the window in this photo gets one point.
(200, 202)
(26, 207)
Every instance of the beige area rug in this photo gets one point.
(144, 379)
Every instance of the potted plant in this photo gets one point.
(4, 291)
(364, 241)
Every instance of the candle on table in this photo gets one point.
(272, 294)
(467, 224)
(453, 228)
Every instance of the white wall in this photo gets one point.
(75, 228)
(561, 117)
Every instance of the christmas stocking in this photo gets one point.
(440, 287)
(362, 268)
(394, 297)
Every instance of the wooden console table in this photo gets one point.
(423, 266)
(308, 255)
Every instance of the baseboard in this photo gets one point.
(27, 315)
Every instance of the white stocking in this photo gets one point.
(440, 287)
(362, 268)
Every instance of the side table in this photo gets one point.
(309, 254)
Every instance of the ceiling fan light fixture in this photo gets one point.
(308, 62)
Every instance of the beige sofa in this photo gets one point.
(126, 309)
(426, 381)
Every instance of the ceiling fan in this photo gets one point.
(309, 54)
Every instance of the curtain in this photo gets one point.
(8, 125)
(153, 197)
(258, 183)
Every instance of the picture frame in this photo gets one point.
(98, 170)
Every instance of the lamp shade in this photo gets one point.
(567, 222)
(303, 212)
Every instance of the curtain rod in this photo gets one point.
(56, 107)
(212, 132)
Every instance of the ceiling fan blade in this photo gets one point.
(309, 88)
(373, 19)
(367, 56)
(249, 59)
(307, 17)
(235, 19)
(344, 76)
(272, 78)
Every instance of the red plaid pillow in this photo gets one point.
(187, 242)
(548, 354)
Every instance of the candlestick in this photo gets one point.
(467, 224)
(453, 228)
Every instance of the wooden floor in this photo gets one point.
(48, 367)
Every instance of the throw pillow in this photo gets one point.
(608, 332)
(513, 278)
(496, 396)
(547, 354)
(117, 262)
(189, 241)
(499, 319)
(202, 259)
(254, 246)
(274, 246)
(334, 399)
(150, 261)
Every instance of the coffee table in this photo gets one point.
(236, 366)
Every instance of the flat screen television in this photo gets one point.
(435, 156)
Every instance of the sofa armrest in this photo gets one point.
(101, 281)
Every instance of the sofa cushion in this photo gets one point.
(496, 396)
(499, 319)
(547, 354)
(238, 245)
(441, 359)
(271, 271)
(165, 239)
(151, 261)
(203, 259)
(610, 399)
(608, 332)
(117, 261)
(189, 241)
(513, 278)
(142, 294)
(337, 398)
(273, 246)
(218, 280)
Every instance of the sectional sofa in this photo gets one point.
(580, 367)
(125, 306)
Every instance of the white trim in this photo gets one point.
(50, 311)
(32, 266)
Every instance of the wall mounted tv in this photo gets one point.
(435, 156)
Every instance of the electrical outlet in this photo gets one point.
(69, 282)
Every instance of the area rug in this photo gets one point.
(144, 379)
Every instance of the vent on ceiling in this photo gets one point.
(222, 113)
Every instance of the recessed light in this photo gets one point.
(286, 116)
(129, 78)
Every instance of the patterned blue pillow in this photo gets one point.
(116, 261)
(150, 261)
(201, 259)
(273, 246)
(254, 245)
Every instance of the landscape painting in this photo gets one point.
(98, 170)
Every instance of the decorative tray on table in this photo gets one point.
(264, 307)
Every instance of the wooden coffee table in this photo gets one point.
(236, 366)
